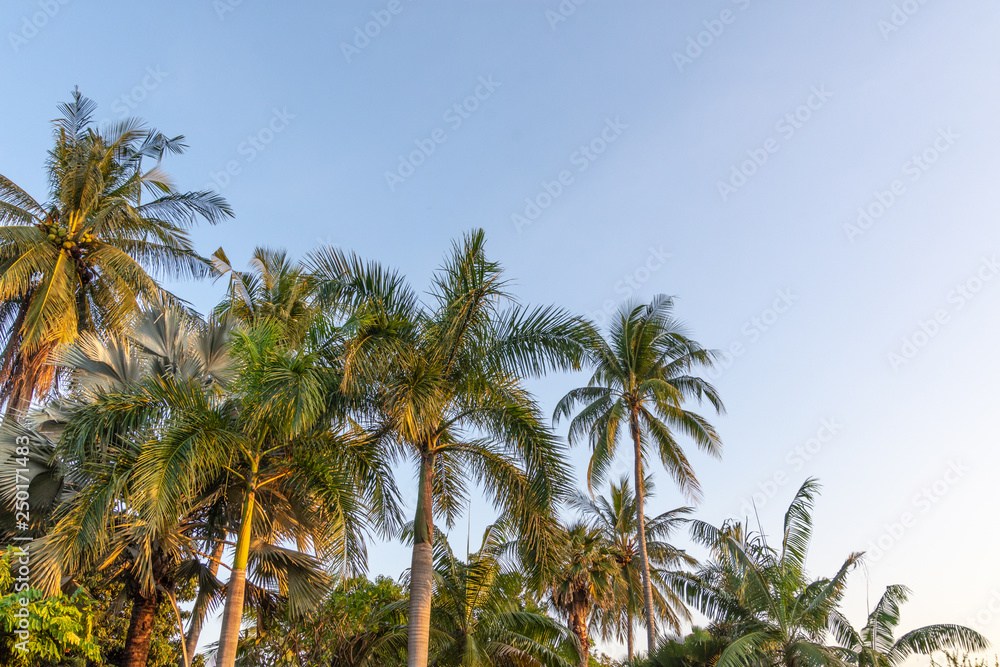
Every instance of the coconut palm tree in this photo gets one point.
(875, 645)
(82, 260)
(448, 396)
(643, 375)
(584, 581)
(615, 516)
(761, 597)
(480, 617)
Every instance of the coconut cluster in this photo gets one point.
(60, 237)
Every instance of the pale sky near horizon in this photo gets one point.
(815, 182)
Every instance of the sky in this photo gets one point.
(814, 182)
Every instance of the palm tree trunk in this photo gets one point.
(29, 374)
(640, 520)
(12, 369)
(140, 631)
(578, 624)
(197, 620)
(22, 385)
(229, 636)
(20, 400)
(422, 568)
(628, 617)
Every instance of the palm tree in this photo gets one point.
(82, 261)
(615, 516)
(700, 648)
(95, 478)
(642, 377)
(275, 289)
(480, 617)
(150, 404)
(297, 469)
(762, 598)
(584, 581)
(875, 645)
(448, 395)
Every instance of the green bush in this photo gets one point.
(38, 630)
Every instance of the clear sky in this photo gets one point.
(815, 182)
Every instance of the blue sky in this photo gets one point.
(815, 182)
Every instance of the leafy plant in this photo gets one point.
(36, 629)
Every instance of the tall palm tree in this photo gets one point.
(296, 468)
(82, 260)
(643, 375)
(448, 396)
(762, 597)
(615, 516)
(875, 645)
(480, 617)
(584, 581)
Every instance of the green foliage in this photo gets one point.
(700, 648)
(355, 625)
(761, 600)
(603, 660)
(480, 617)
(59, 627)
(760, 596)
